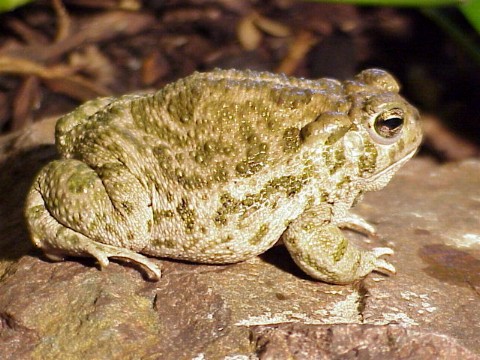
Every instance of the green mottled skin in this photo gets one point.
(216, 167)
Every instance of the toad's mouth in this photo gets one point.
(390, 170)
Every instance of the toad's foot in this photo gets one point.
(381, 265)
(357, 223)
(323, 252)
(83, 246)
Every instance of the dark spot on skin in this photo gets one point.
(210, 147)
(242, 167)
(229, 206)
(127, 207)
(288, 185)
(291, 140)
(226, 239)
(109, 228)
(73, 240)
(344, 182)
(180, 157)
(80, 181)
(259, 235)
(35, 212)
(220, 174)
(256, 159)
(368, 160)
(337, 135)
(164, 243)
(220, 220)
(191, 182)
(308, 225)
(340, 251)
(160, 214)
(187, 215)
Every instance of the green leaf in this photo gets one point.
(6, 5)
(413, 3)
(471, 10)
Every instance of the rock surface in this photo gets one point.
(355, 341)
(263, 308)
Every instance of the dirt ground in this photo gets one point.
(55, 55)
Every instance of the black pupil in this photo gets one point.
(389, 127)
(392, 123)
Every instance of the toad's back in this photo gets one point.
(207, 128)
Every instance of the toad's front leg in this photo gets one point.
(323, 252)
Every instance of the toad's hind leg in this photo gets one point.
(322, 251)
(73, 210)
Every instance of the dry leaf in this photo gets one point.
(92, 62)
(26, 99)
(301, 45)
(154, 67)
(248, 34)
(272, 27)
(63, 20)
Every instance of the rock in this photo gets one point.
(264, 307)
(355, 341)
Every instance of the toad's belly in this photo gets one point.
(238, 239)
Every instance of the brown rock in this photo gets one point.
(354, 341)
(429, 214)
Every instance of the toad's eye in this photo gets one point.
(388, 124)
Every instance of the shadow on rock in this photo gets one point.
(451, 265)
(16, 176)
(279, 257)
